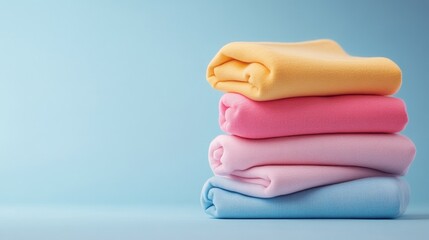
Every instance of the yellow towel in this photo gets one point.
(268, 71)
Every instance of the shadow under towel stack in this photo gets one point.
(313, 134)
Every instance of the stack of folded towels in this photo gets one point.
(312, 134)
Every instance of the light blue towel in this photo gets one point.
(377, 197)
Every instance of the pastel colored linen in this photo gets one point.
(268, 71)
(275, 180)
(379, 197)
(389, 153)
(243, 117)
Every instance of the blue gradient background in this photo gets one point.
(106, 102)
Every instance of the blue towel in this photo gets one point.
(377, 197)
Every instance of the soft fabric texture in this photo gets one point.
(275, 180)
(380, 197)
(243, 117)
(390, 153)
(268, 71)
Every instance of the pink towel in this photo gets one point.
(311, 115)
(390, 153)
(272, 167)
(271, 181)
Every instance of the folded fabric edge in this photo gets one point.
(207, 198)
(221, 166)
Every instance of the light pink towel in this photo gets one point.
(271, 181)
(273, 167)
(390, 153)
(243, 117)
